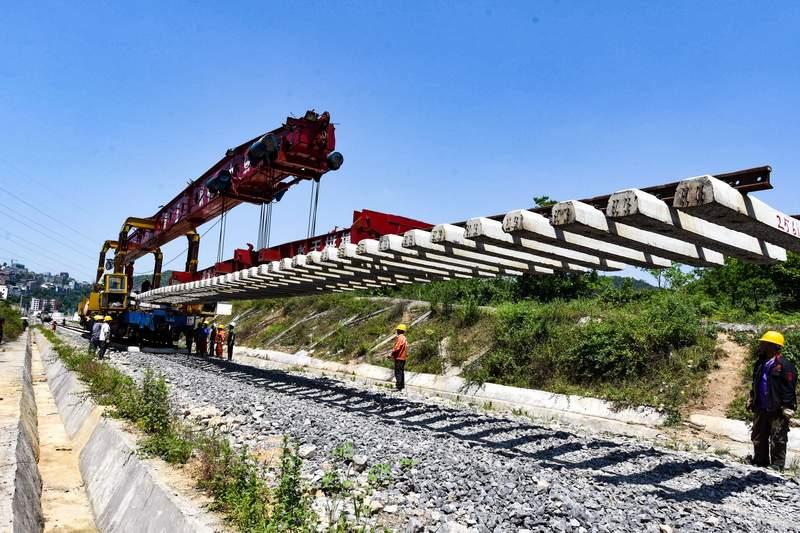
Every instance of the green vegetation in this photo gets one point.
(13, 324)
(146, 405)
(379, 475)
(602, 336)
(347, 326)
(236, 480)
(759, 294)
(650, 351)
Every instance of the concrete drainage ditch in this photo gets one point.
(85, 473)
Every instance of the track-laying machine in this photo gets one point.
(258, 171)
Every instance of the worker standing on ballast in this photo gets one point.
(200, 337)
(231, 340)
(220, 340)
(212, 339)
(94, 340)
(105, 337)
(400, 354)
(773, 402)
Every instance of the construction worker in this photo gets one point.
(189, 332)
(212, 338)
(2, 327)
(772, 401)
(219, 339)
(400, 354)
(105, 336)
(94, 340)
(200, 337)
(231, 340)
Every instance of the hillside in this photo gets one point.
(138, 280)
(650, 349)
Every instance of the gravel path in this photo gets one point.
(477, 471)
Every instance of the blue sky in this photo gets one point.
(445, 110)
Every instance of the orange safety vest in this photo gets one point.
(400, 348)
(220, 342)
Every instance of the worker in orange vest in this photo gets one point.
(400, 354)
(220, 340)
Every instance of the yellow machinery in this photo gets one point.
(111, 295)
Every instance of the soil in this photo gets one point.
(723, 383)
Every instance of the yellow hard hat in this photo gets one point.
(402, 327)
(107, 318)
(98, 317)
(774, 337)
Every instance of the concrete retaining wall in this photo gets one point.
(20, 482)
(125, 491)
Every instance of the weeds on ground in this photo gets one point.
(145, 405)
(234, 479)
(379, 475)
(344, 451)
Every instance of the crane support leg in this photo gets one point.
(194, 250)
(159, 257)
(101, 263)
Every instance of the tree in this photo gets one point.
(543, 201)
(676, 278)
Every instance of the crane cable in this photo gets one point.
(222, 227)
(264, 225)
(312, 208)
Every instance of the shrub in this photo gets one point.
(469, 313)
(604, 350)
(13, 324)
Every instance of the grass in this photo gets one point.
(235, 480)
(448, 338)
(650, 351)
(631, 348)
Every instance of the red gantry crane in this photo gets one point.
(258, 171)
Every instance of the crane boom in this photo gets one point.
(257, 171)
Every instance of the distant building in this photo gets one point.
(3, 292)
(39, 304)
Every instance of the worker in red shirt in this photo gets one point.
(400, 354)
(219, 339)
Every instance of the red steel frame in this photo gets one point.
(366, 225)
(302, 146)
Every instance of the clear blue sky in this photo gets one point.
(446, 110)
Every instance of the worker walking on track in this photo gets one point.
(772, 401)
(400, 354)
(105, 337)
(220, 340)
(231, 340)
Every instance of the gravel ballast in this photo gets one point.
(474, 470)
